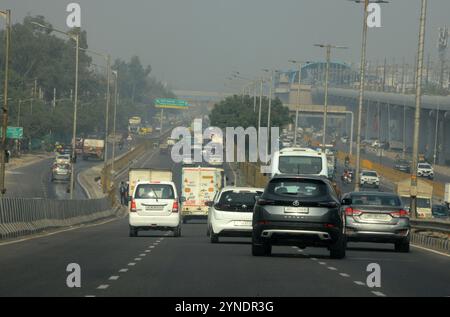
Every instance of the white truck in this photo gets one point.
(447, 194)
(198, 186)
(93, 148)
(146, 174)
(424, 196)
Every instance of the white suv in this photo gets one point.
(231, 212)
(370, 178)
(155, 205)
(425, 170)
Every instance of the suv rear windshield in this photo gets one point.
(297, 188)
(424, 166)
(376, 200)
(300, 164)
(154, 191)
(237, 201)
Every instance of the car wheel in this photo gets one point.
(133, 232)
(402, 246)
(261, 250)
(214, 238)
(337, 249)
(177, 232)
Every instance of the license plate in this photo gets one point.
(243, 223)
(382, 217)
(296, 210)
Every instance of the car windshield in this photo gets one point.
(424, 166)
(370, 174)
(298, 188)
(376, 200)
(421, 202)
(154, 191)
(300, 164)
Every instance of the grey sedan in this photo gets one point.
(376, 217)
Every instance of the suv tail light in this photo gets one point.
(175, 206)
(349, 211)
(400, 214)
(133, 206)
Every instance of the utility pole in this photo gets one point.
(7, 15)
(417, 112)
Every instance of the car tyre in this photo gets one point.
(338, 248)
(214, 238)
(133, 232)
(402, 246)
(177, 232)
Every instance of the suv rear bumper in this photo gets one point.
(154, 222)
(296, 234)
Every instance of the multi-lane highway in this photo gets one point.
(157, 264)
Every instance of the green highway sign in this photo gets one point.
(171, 103)
(13, 132)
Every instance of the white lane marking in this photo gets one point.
(89, 296)
(314, 259)
(147, 251)
(300, 250)
(378, 293)
(123, 270)
(131, 264)
(430, 250)
(322, 263)
(294, 247)
(113, 278)
(104, 286)
(359, 283)
(137, 259)
(344, 274)
(142, 254)
(332, 268)
(152, 247)
(158, 241)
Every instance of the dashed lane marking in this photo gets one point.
(131, 264)
(332, 268)
(359, 283)
(322, 263)
(123, 270)
(113, 278)
(104, 286)
(378, 293)
(344, 274)
(137, 259)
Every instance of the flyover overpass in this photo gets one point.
(201, 98)
(390, 117)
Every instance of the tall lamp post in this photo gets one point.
(76, 38)
(116, 96)
(107, 58)
(362, 74)
(7, 15)
(327, 72)
(419, 72)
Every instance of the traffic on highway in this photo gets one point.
(195, 163)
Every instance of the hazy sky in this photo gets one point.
(196, 44)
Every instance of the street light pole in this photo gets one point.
(260, 107)
(413, 209)
(7, 15)
(436, 135)
(300, 65)
(114, 119)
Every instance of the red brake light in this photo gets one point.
(400, 214)
(175, 206)
(349, 211)
(263, 222)
(133, 206)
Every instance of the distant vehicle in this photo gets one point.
(171, 142)
(301, 211)
(63, 159)
(403, 166)
(300, 161)
(369, 178)
(230, 213)
(425, 170)
(61, 172)
(93, 148)
(163, 148)
(344, 139)
(376, 217)
(79, 145)
(134, 124)
(424, 196)
(199, 185)
(396, 145)
(441, 211)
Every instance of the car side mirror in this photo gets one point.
(257, 197)
(209, 203)
(346, 201)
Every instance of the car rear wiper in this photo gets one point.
(156, 195)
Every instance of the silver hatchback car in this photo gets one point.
(376, 217)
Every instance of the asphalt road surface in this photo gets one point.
(157, 264)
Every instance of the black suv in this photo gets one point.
(297, 210)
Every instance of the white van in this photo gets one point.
(155, 205)
(299, 161)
